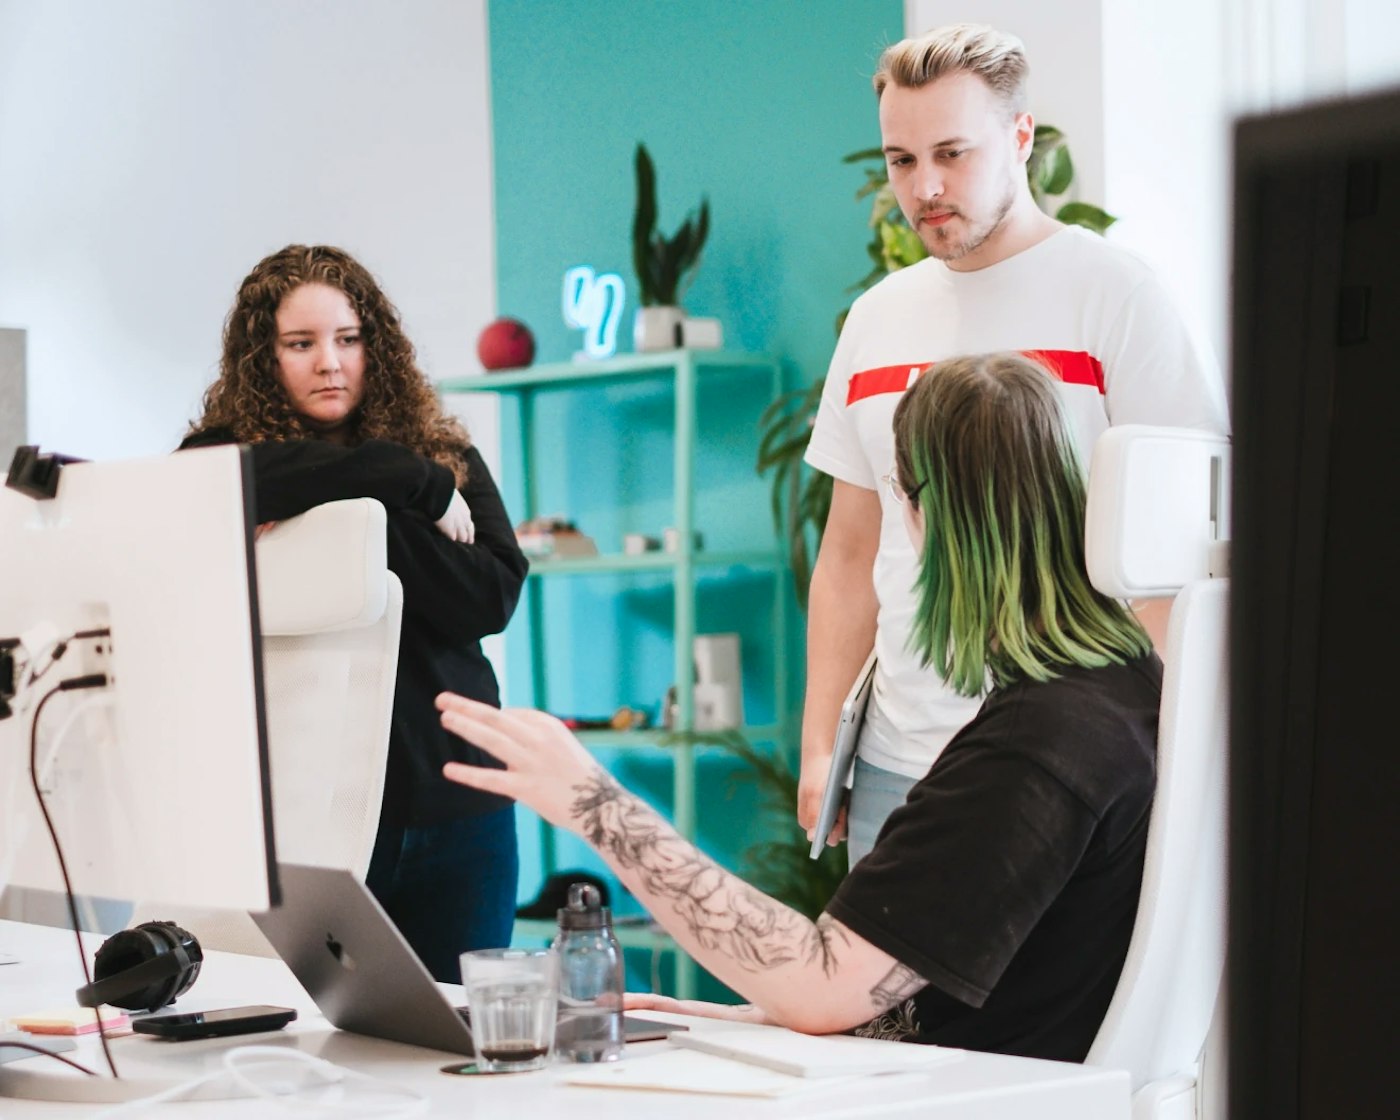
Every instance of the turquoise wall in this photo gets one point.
(751, 103)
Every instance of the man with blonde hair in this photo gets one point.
(1001, 275)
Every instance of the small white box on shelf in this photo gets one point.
(702, 334)
(719, 690)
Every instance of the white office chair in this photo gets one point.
(330, 611)
(1158, 524)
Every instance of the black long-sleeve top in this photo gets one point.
(453, 595)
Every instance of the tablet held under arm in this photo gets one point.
(843, 754)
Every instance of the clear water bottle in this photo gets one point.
(590, 980)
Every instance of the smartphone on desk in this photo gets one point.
(214, 1024)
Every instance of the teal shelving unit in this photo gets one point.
(690, 373)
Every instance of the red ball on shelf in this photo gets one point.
(505, 344)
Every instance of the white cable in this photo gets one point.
(96, 699)
(22, 703)
(415, 1104)
(18, 823)
(174, 1093)
(39, 642)
(288, 1091)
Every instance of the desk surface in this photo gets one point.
(975, 1087)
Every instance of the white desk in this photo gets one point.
(975, 1087)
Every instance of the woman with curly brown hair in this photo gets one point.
(318, 376)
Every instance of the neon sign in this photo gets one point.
(593, 304)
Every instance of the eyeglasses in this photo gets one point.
(897, 491)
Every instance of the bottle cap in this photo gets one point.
(585, 909)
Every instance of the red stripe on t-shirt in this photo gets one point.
(1074, 367)
(886, 379)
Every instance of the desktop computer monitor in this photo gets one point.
(157, 783)
(1315, 591)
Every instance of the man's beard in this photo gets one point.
(941, 245)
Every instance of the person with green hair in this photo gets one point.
(995, 909)
(1003, 592)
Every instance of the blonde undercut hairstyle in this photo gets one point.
(996, 57)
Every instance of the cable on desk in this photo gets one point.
(95, 680)
(48, 1054)
(15, 833)
(240, 1064)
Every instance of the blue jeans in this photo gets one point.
(875, 794)
(449, 887)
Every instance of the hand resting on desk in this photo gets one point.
(738, 1013)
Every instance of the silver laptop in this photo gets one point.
(364, 977)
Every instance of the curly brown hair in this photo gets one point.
(399, 402)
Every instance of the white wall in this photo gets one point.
(1064, 46)
(152, 151)
(1148, 94)
(1371, 44)
(1175, 80)
(12, 382)
(1166, 165)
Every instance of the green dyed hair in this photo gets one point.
(982, 447)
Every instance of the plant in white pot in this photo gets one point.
(663, 264)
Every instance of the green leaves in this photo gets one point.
(1050, 172)
(781, 867)
(801, 497)
(662, 263)
(900, 246)
(1085, 214)
(644, 217)
(1056, 172)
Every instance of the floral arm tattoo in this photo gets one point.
(721, 911)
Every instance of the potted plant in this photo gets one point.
(801, 496)
(662, 264)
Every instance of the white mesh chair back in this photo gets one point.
(1157, 523)
(329, 700)
(330, 612)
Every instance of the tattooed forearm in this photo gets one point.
(721, 911)
(898, 985)
(823, 940)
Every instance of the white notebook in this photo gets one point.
(814, 1056)
(689, 1071)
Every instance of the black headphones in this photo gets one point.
(144, 968)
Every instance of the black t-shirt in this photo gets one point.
(1009, 879)
(453, 595)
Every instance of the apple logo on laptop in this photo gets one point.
(337, 950)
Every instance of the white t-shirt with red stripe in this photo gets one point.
(1093, 313)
